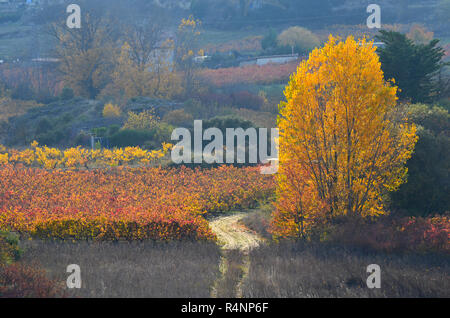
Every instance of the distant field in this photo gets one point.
(22, 41)
(15, 39)
(265, 74)
(211, 36)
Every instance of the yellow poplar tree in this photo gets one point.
(154, 78)
(186, 47)
(85, 54)
(344, 141)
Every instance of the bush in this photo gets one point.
(131, 138)
(67, 94)
(248, 100)
(111, 111)
(394, 234)
(270, 40)
(151, 136)
(106, 131)
(20, 281)
(44, 96)
(259, 221)
(178, 118)
(426, 192)
(145, 120)
(445, 103)
(163, 133)
(433, 118)
(53, 137)
(9, 248)
(23, 91)
(43, 126)
(83, 139)
(13, 107)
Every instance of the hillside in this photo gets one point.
(60, 123)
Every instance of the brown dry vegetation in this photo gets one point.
(130, 270)
(193, 269)
(318, 270)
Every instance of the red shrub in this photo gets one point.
(266, 74)
(19, 281)
(125, 203)
(427, 233)
(388, 234)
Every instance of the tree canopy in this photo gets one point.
(413, 66)
(343, 141)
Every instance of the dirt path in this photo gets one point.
(236, 241)
(232, 235)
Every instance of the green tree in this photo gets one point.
(66, 93)
(426, 192)
(144, 66)
(413, 66)
(270, 40)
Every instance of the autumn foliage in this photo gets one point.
(124, 203)
(343, 140)
(76, 158)
(111, 111)
(154, 77)
(23, 281)
(396, 234)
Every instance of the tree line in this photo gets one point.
(111, 58)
